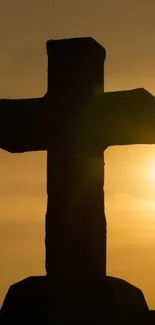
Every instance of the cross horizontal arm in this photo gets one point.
(22, 125)
(115, 118)
(118, 118)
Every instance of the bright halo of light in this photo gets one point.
(149, 169)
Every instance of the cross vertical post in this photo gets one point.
(75, 219)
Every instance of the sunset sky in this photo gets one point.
(126, 29)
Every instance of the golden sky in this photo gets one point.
(126, 30)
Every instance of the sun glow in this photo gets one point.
(149, 169)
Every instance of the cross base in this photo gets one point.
(115, 301)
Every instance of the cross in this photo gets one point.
(75, 122)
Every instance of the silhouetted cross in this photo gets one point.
(75, 122)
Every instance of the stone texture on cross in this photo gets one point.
(75, 122)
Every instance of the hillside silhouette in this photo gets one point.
(75, 122)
